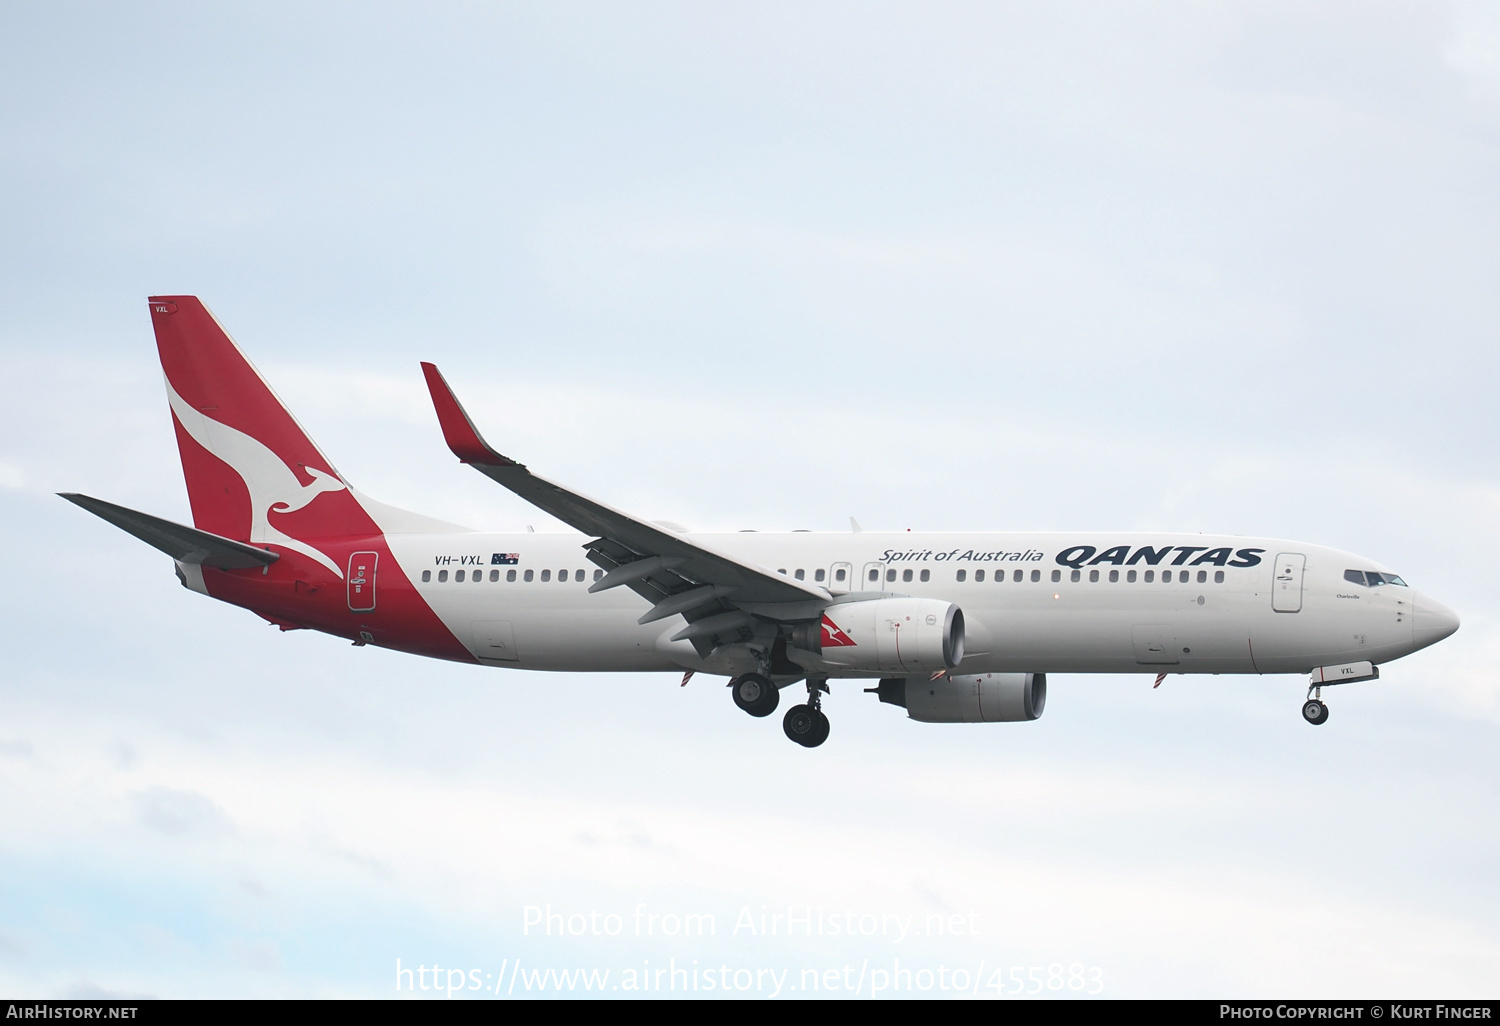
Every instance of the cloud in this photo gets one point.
(180, 814)
(1474, 49)
(16, 749)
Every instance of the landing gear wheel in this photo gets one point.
(822, 734)
(755, 694)
(1314, 712)
(805, 725)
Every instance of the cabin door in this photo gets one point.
(1286, 586)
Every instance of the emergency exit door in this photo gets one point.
(841, 579)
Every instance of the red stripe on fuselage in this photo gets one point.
(299, 590)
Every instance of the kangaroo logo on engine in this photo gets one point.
(834, 636)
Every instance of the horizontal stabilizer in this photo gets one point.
(184, 544)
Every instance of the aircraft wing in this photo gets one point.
(677, 574)
(184, 544)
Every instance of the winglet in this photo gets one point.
(458, 430)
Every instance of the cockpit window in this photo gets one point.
(1371, 579)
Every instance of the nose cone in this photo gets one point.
(1431, 621)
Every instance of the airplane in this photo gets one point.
(957, 627)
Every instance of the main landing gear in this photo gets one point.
(755, 694)
(806, 724)
(758, 695)
(1313, 710)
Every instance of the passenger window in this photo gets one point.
(1202, 576)
(1036, 575)
(801, 575)
(510, 575)
(890, 574)
(442, 576)
(458, 576)
(1017, 577)
(874, 574)
(818, 576)
(1056, 576)
(479, 576)
(597, 574)
(782, 572)
(529, 574)
(978, 575)
(906, 575)
(1093, 577)
(1218, 577)
(1114, 577)
(926, 576)
(1076, 576)
(962, 574)
(1355, 577)
(546, 576)
(1150, 576)
(494, 576)
(426, 576)
(1130, 577)
(838, 575)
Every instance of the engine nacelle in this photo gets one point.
(972, 698)
(894, 635)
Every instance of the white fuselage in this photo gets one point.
(1181, 606)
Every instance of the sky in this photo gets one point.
(1219, 267)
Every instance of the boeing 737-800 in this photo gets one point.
(955, 628)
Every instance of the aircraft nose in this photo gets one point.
(1431, 621)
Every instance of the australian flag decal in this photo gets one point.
(505, 559)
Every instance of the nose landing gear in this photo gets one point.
(1313, 710)
(806, 724)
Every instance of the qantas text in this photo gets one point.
(1079, 555)
(1120, 555)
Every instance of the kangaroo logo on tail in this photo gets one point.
(272, 485)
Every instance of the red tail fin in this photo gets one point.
(252, 473)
